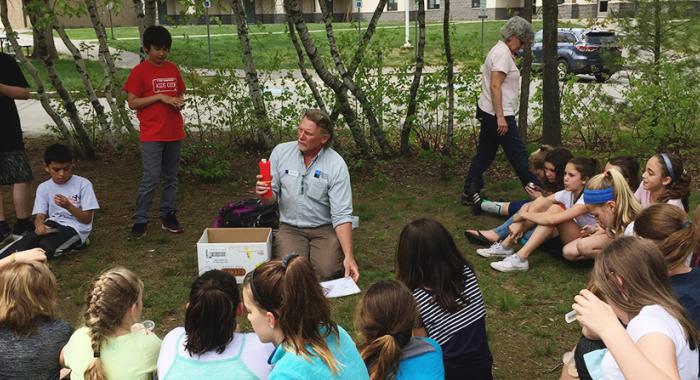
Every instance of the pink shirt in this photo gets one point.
(644, 197)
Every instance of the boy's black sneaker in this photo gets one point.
(137, 230)
(170, 223)
(4, 232)
(22, 226)
(477, 198)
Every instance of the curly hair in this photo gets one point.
(679, 188)
(519, 27)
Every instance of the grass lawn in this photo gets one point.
(273, 50)
(525, 311)
(69, 76)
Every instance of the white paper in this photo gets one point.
(340, 288)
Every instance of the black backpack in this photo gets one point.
(248, 213)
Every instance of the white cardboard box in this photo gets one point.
(234, 250)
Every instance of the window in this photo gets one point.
(476, 3)
(392, 5)
(433, 4)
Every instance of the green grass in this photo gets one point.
(273, 50)
(69, 76)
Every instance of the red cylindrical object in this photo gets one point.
(266, 175)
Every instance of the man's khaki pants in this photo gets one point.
(320, 245)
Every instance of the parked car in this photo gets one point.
(582, 51)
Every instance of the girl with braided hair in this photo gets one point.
(107, 347)
(386, 316)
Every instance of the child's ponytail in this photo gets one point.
(671, 230)
(679, 188)
(626, 205)
(108, 300)
(385, 317)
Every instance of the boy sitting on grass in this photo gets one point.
(63, 208)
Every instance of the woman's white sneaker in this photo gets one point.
(495, 250)
(511, 263)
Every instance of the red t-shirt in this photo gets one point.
(159, 121)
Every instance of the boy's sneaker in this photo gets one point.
(495, 250)
(511, 263)
(22, 226)
(4, 232)
(170, 223)
(137, 230)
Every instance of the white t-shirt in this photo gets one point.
(644, 198)
(654, 319)
(566, 198)
(78, 190)
(254, 354)
(500, 59)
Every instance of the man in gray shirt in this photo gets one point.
(311, 183)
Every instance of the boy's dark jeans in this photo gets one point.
(62, 240)
(161, 160)
(489, 141)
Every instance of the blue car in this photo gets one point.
(582, 51)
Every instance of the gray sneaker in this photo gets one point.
(511, 263)
(495, 250)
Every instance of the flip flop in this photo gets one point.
(477, 238)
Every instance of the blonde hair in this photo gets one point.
(108, 300)
(28, 295)
(668, 226)
(536, 160)
(627, 207)
(640, 266)
(386, 316)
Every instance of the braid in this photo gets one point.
(96, 324)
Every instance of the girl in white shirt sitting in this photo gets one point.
(647, 333)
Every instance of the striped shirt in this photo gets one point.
(440, 324)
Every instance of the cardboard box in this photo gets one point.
(234, 250)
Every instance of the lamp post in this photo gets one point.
(407, 13)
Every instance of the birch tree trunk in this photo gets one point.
(265, 140)
(367, 108)
(551, 119)
(329, 79)
(447, 149)
(150, 10)
(410, 119)
(140, 17)
(360, 51)
(85, 145)
(40, 89)
(89, 89)
(113, 93)
(40, 9)
(525, 79)
(302, 66)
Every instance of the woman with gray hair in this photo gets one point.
(496, 112)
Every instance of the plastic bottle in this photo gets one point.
(266, 176)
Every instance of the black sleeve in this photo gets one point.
(10, 73)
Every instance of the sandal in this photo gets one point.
(477, 238)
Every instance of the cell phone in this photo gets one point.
(532, 186)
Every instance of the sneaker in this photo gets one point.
(22, 226)
(511, 263)
(4, 232)
(170, 223)
(137, 230)
(495, 250)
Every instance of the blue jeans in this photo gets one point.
(503, 232)
(489, 141)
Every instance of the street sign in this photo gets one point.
(207, 4)
(358, 4)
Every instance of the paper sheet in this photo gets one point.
(340, 288)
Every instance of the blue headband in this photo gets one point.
(669, 167)
(594, 197)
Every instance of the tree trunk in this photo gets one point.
(551, 128)
(113, 93)
(85, 145)
(149, 14)
(40, 89)
(37, 10)
(360, 51)
(265, 140)
(413, 91)
(302, 67)
(89, 89)
(331, 81)
(367, 108)
(447, 149)
(526, 77)
(140, 17)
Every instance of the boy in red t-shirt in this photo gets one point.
(155, 90)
